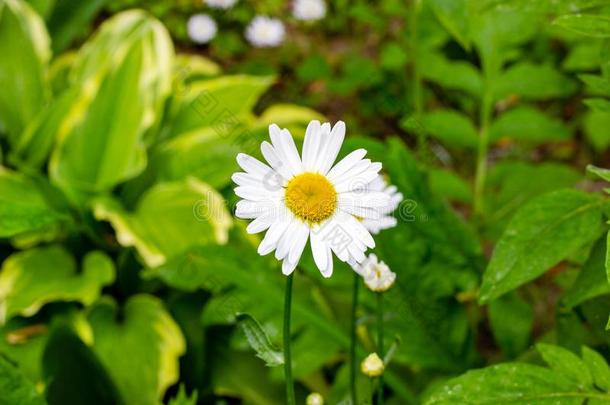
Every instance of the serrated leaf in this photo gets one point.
(511, 383)
(35, 277)
(541, 234)
(183, 399)
(566, 363)
(141, 351)
(598, 367)
(259, 341)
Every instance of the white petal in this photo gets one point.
(252, 165)
(311, 145)
(252, 209)
(319, 251)
(260, 224)
(357, 169)
(288, 267)
(363, 199)
(286, 149)
(245, 179)
(275, 160)
(332, 148)
(257, 193)
(273, 235)
(324, 139)
(346, 163)
(359, 182)
(301, 236)
(287, 239)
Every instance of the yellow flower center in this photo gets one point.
(311, 197)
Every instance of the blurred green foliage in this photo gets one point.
(125, 279)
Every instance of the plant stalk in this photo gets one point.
(290, 398)
(354, 367)
(483, 149)
(380, 349)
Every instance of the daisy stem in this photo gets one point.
(353, 339)
(290, 400)
(380, 344)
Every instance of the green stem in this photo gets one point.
(290, 399)
(481, 170)
(380, 344)
(417, 101)
(354, 367)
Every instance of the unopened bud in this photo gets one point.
(372, 365)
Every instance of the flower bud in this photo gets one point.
(372, 365)
(314, 399)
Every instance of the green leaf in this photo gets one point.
(32, 278)
(452, 128)
(101, 142)
(69, 19)
(454, 15)
(169, 219)
(529, 125)
(183, 399)
(511, 383)
(566, 363)
(15, 388)
(591, 281)
(544, 232)
(513, 337)
(596, 124)
(597, 26)
(73, 372)
(23, 208)
(456, 75)
(598, 367)
(220, 103)
(598, 104)
(534, 82)
(25, 50)
(600, 172)
(141, 351)
(259, 341)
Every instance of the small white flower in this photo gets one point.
(265, 32)
(385, 219)
(372, 365)
(377, 275)
(222, 4)
(314, 399)
(201, 28)
(297, 200)
(309, 10)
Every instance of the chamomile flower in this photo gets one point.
(201, 28)
(299, 199)
(308, 10)
(376, 274)
(385, 219)
(222, 4)
(265, 32)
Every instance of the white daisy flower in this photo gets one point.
(298, 199)
(222, 4)
(385, 220)
(201, 28)
(309, 10)
(265, 32)
(376, 274)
